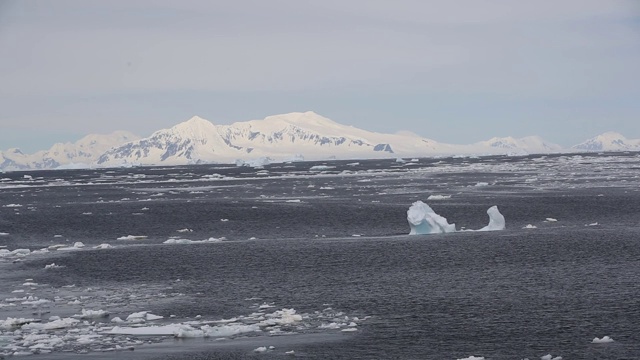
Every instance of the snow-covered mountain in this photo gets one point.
(280, 137)
(609, 141)
(289, 135)
(529, 144)
(81, 153)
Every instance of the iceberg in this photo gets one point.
(496, 220)
(423, 220)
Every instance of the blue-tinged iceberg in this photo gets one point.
(423, 220)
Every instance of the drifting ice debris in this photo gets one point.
(603, 340)
(473, 358)
(529, 226)
(423, 220)
(439, 197)
(551, 220)
(132, 237)
(550, 357)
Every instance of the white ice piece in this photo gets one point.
(473, 358)
(132, 237)
(423, 220)
(603, 340)
(496, 220)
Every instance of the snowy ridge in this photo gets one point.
(609, 141)
(300, 135)
(529, 144)
(280, 137)
(82, 153)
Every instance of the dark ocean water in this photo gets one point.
(289, 240)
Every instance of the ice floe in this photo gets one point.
(187, 241)
(603, 340)
(550, 357)
(132, 237)
(473, 358)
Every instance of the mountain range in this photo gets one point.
(281, 137)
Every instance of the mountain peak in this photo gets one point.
(609, 141)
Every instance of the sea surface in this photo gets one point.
(327, 242)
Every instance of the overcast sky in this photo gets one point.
(453, 71)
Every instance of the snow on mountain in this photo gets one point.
(280, 137)
(193, 141)
(84, 151)
(528, 145)
(609, 141)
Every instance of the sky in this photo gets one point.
(453, 71)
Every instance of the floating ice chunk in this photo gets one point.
(184, 230)
(12, 205)
(496, 220)
(439, 197)
(224, 220)
(603, 340)
(529, 226)
(292, 352)
(52, 325)
(260, 349)
(551, 220)
(473, 358)
(423, 220)
(15, 322)
(91, 314)
(77, 245)
(137, 315)
(349, 329)
(132, 237)
(550, 357)
(52, 266)
(187, 241)
(321, 168)
(117, 320)
(152, 317)
(592, 224)
(482, 184)
(4, 234)
(103, 246)
(294, 201)
(400, 160)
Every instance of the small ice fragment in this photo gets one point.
(224, 220)
(132, 237)
(551, 220)
(103, 246)
(260, 349)
(482, 184)
(592, 224)
(349, 329)
(473, 358)
(439, 197)
(4, 234)
(290, 352)
(603, 340)
(529, 226)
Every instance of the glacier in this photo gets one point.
(423, 220)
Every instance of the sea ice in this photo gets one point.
(473, 358)
(187, 241)
(103, 246)
(529, 226)
(132, 237)
(439, 197)
(91, 314)
(550, 357)
(551, 219)
(603, 340)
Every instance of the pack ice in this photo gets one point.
(423, 220)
